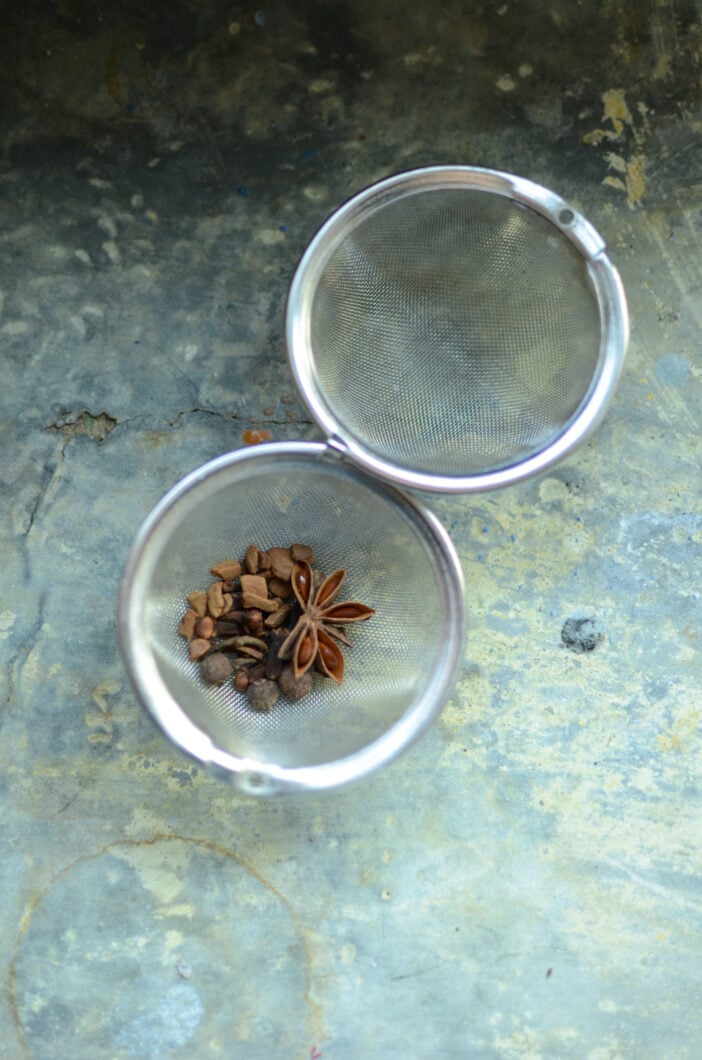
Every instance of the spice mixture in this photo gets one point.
(266, 621)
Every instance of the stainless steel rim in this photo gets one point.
(606, 285)
(249, 776)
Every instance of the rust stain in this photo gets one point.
(254, 437)
(635, 179)
(622, 126)
(316, 1025)
(616, 112)
(616, 109)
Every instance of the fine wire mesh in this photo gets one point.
(454, 331)
(390, 563)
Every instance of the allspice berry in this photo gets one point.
(292, 687)
(216, 668)
(263, 695)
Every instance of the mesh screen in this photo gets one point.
(390, 566)
(454, 331)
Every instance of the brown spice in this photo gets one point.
(302, 553)
(198, 602)
(198, 648)
(251, 559)
(244, 641)
(264, 562)
(280, 587)
(316, 633)
(229, 644)
(254, 622)
(276, 619)
(216, 668)
(241, 681)
(187, 624)
(205, 627)
(250, 653)
(281, 562)
(260, 601)
(215, 599)
(239, 627)
(294, 687)
(227, 570)
(253, 583)
(256, 673)
(263, 695)
(274, 664)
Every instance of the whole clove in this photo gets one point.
(274, 664)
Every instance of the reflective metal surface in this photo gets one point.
(403, 663)
(458, 329)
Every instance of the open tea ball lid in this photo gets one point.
(456, 329)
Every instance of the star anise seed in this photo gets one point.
(313, 638)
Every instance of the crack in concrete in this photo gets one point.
(49, 471)
(236, 418)
(47, 476)
(197, 410)
(99, 426)
(16, 661)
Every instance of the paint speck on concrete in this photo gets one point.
(112, 251)
(108, 225)
(270, 236)
(15, 327)
(616, 108)
(321, 85)
(619, 126)
(315, 193)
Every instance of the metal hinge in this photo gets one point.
(336, 447)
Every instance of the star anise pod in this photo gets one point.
(314, 636)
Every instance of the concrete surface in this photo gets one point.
(526, 881)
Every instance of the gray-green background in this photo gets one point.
(526, 881)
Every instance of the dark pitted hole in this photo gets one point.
(566, 217)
